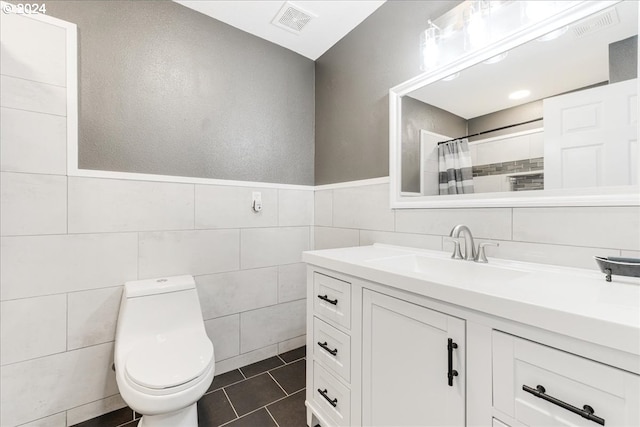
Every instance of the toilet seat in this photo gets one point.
(168, 363)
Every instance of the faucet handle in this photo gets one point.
(481, 256)
(457, 254)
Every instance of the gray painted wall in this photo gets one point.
(167, 90)
(623, 60)
(509, 116)
(353, 79)
(417, 115)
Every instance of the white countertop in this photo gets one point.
(570, 301)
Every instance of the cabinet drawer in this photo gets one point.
(332, 348)
(330, 395)
(332, 299)
(540, 385)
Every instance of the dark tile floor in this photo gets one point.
(269, 393)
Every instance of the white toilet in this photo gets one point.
(164, 360)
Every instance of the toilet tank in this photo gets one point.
(157, 307)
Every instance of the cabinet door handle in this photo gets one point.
(330, 301)
(332, 402)
(326, 347)
(586, 411)
(451, 372)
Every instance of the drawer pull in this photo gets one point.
(330, 301)
(586, 411)
(326, 347)
(451, 372)
(323, 393)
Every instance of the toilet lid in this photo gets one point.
(169, 360)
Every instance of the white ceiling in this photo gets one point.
(332, 21)
(545, 68)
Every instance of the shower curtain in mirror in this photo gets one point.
(454, 160)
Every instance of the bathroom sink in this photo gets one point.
(447, 270)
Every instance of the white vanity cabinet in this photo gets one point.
(413, 364)
(388, 348)
(329, 358)
(539, 385)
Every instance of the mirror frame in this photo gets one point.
(592, 196)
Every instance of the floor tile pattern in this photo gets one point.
(269, 393)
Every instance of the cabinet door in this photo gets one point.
(405, 364)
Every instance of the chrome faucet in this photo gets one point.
(470, 253)
(469, 245)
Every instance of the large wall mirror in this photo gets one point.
(544, 117)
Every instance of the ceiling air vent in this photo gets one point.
(292, 18)
(602, 20)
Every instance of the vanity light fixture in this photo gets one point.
(474, 24)
(477, 30)
(519, 94)
(429, 49)
(538, 10)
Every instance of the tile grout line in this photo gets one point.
(271, 415)
(276, 381)
(257, 409)
(230, 402)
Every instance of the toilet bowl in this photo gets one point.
(164, 360)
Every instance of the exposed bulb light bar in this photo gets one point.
(429, 49)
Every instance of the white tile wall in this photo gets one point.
(91, 410)
(32, 142)
(424, 241)
(292, 282)
(262, 247)
(32, 96)
(604, 227)
(230, 207)
(292, 344)
(57, 420)
(33, 204)
(504, 150)
(108, 205)
(32, 327)
(238, 291)
(38, 53)
(570, 256)
(92, 316)
(40, 387)
(224, 333)
(494, 223)
(559, 236)
(329, 237)
(363, 207)
(285, 321)
(295, 207)
(171, 253)
(246, 359)
(44, 265)
(630, 254)
(323, 208)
